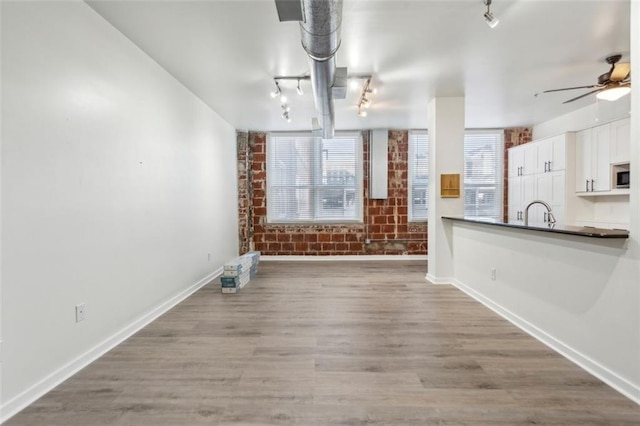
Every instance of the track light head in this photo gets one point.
(362, 113)
(299, 89)
(276, 92)
(491, 20)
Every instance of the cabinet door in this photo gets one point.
(528, 190)
(583, 160)
(600, 164)
(530, 157)
(515, 161)
(619, 147)
(543, 154)
(514, 203)
(558, 149)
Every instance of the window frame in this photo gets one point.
(499, 172)
(317, 177)
(410, 168)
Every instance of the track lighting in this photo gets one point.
(299, 89)
(276, 92)
(365, 102)
(491, 20)
(283, 99)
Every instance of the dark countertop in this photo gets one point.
(583, 231)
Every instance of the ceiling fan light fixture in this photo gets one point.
(614, 93)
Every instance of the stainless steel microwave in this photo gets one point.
(622, 179)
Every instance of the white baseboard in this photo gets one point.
(24, 399)
(345, 258)
(437, 280)
(620, 384)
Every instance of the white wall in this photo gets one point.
(117, 182)
(579, 295)
(592, 115)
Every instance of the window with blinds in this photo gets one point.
(483, 173)
(314, 180)
(418, 175)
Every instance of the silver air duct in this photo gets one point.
(320, 22)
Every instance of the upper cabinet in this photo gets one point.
(550, 154)
(620, 144)
(597, 149)
(522, 160)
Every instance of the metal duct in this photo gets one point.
(320, 34)
(320, 22)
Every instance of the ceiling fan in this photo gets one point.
(611, 86)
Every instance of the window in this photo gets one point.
(483, 164)
(418, 175)
(314, 180)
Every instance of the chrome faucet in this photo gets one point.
(550, 218)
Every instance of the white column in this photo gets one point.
(446, 155)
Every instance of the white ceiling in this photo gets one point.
(227, 53)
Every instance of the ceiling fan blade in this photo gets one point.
(620, 71)
(572, 88)
(582, 96)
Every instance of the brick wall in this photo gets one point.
(512, 137)
(385, 224)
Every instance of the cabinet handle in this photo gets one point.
(587, 188)
(545, 217)
(591, 185)
(549, 165)
(546, 166)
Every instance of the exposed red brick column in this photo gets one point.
(385, 221)
(512, 137)
(245, 209)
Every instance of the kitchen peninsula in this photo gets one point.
(583, 231)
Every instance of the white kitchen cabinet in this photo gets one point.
(540, 178)
(521, 193)
(522, 160)
(593, 171)
(550, 154)
(620, 141)
(550, 187)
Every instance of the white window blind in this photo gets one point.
(483, 173)
(314, 180)
(418, 175)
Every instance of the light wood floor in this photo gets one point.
(341, 343)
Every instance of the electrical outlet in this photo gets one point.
(80, 312)
(367, 241)
(493, 274)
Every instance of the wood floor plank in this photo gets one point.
(331, 343)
